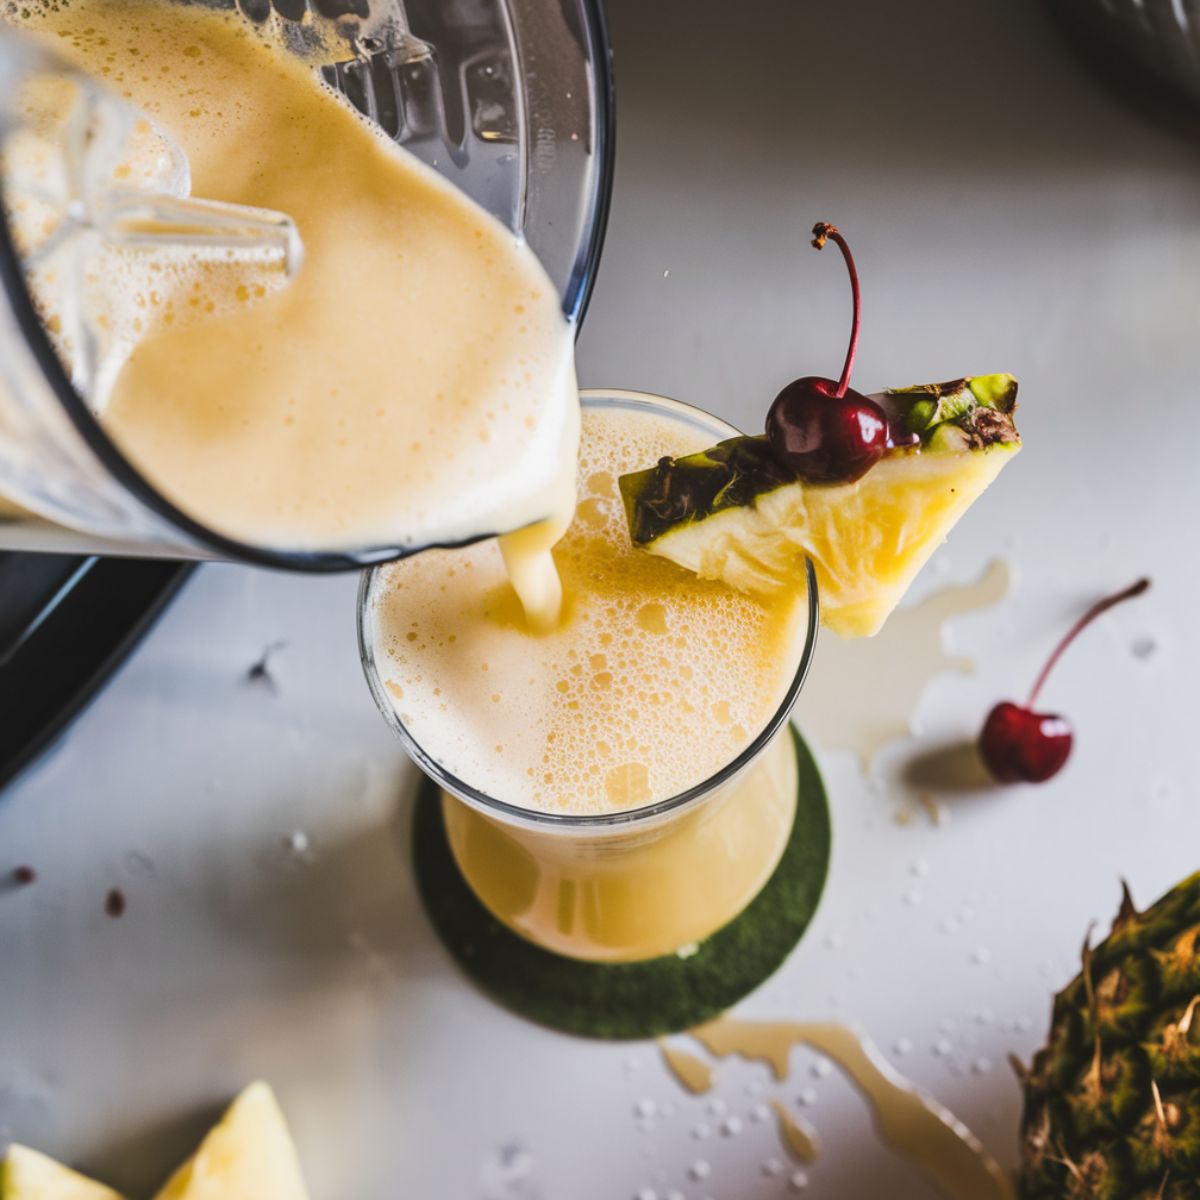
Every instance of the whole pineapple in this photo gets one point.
(1112, 1103)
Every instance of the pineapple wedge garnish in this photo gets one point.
(27, 1175)
(248, 1155)
(736, 513)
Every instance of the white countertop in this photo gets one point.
(1007, 214)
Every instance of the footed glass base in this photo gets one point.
(636, 999)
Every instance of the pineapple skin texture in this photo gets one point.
(1101, 1135)
(867, 539)
(27, 1175)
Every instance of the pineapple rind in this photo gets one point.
(1091, 1137)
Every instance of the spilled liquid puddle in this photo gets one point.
(802, 1142)
(867, 689)
(690, 1069)
(922, 1131)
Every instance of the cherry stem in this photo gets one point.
(822, 231)
(1135, 589)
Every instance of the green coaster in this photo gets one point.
(629, 1000)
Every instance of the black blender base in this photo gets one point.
(66, 624)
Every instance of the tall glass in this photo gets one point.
(635, 883)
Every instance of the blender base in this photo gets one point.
(66, 624)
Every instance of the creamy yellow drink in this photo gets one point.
(413, 381)
(653, 683)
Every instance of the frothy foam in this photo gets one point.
(414, 382)
(653, 681)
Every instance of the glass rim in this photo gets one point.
(531, 818)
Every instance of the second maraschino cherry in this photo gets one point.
(822, 428)
(1019, 745)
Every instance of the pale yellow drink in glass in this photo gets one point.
(614, 788)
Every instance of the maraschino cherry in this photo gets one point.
(824, 430)
(1018, 745)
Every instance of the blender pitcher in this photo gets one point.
(511, 99)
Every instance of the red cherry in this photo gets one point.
(824, 436)
(825, 431)
(1019, 745)
(1022, 746)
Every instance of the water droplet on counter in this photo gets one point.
(731, 1126)
(760, 1112)
(1143, 647)
(645, 1108)
(702, 1131)
(902, 1046)
(807, 1097)
(981, 1066)
(912, 898)
(509, 1173)
(137, 863)
(982, 956)
(716, 1106)
(822, 1068)
(646, 1194)
(833, 941)
(772, 1167)
(920, 868)
(1024, 1024)
(798, 1181)
(296, 841)
(700, 1169)
(942, 1048)
(985, 1016)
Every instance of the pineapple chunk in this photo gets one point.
(734, 512)
(27, 1175)
(249, 1155)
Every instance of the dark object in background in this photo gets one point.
(1148, 49)
(65, 624)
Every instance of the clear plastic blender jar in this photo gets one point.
(510, 99)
